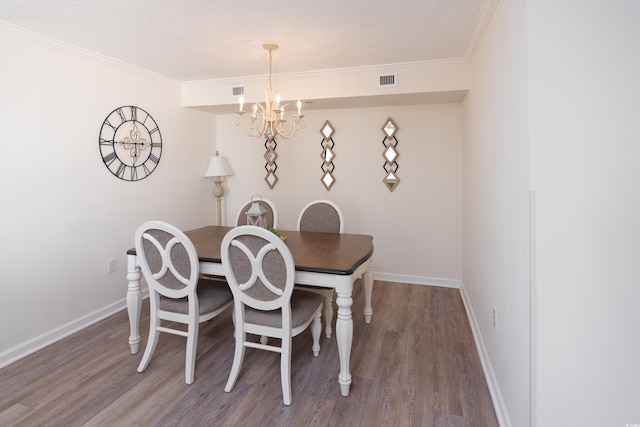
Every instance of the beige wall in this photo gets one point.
(550, 151)
(63, 213)
(585, 134)
(496, 209)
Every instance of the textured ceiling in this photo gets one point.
(212, 39)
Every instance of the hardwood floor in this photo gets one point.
(415, 365)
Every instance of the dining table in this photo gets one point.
(327, 260)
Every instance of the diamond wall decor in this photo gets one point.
(327, 154)
(390, 154)
(270, 156)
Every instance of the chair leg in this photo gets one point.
(316, 329)
(328, 311)
(238, 357)
(149, 349)
(285, 369)
(190, 357)
(152, 340)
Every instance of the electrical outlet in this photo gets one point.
(495, 318)
(112, 265)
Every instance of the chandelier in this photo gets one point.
(269, 120)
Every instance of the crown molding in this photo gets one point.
(484, 17)
(6, 26)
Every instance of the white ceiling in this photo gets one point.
(212, 39)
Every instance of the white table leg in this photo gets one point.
(367, 279)
(344, 331)
(134, 302)
(328, 311)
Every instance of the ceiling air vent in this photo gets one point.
(388, 80)
(237, 91)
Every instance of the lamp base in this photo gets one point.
(218, 193)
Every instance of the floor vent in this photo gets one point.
(237, 91)
(388, 80)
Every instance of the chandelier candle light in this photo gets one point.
(269, 120)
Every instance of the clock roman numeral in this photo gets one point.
(121, 114)
(134, 174)
(121, 169)
(153, 158)
(106, 141)
(154, 130)
(108, 123)
(134, 113)
(109, 158)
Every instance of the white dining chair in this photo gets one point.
(322, 216)
(260, 271)
(169, 264)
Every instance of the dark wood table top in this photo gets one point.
(329, 253)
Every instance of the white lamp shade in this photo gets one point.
(218, 166)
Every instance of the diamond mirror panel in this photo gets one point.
(389, 128)
(390, 154)
(328, 180)
(391, 180)
(328, 155)
(327, 130)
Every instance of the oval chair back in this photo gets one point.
(321, 216)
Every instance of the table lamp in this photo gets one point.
(218, 169)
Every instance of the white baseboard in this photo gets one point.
(494, 388)
(417, 280)
(28, 347)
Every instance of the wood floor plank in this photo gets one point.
(415, 365)
(314, 412)
(13, 414)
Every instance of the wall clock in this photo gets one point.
(130, 143)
